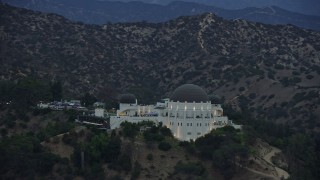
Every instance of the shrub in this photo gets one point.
(241, 89)
(37, 111)
(252, 95)
(3, 132)
(295, 73)
(188, 146)
(136, 171)
(279, 66)
(190, 168)
(124, 163)
(164, 146)
(309, 76)
(148, 136)
(67, 139)
(271, 96)
(150, 157)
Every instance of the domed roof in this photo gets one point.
(127, 99)
(189, 93)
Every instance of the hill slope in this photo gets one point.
(273, 71)
(99, 12)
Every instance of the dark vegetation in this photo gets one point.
(301, 147)
(190, 168)
(225, 147)
(22, 156)
(53, 129)
(28, 92)
(99, 148)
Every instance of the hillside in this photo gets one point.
(271, 71)
(101, 12)
(45, 144)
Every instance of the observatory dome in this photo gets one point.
(189, 93)
(127, 99)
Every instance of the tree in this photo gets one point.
(30, 91)
(166, 131)
(56, 90)
(97, 147)
(88, 100)
(113, 150)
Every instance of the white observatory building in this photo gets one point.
(189, 113)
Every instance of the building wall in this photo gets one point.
(187, 121)
(99, 112)
(135, 110)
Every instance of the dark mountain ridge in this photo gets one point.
(271, 71)
(311, 7)
(101, 12)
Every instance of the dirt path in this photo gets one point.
(57, 147)
(268, 156)
(262, 174)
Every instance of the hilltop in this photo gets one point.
(271, 71)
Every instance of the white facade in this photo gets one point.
(188, 120)
(134, 113)
(99, 112)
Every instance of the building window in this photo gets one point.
(190, 124)
(197, 124)
(189, 133)
(180, 124)
(200, 124)
(187, 124)
(198, 133)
